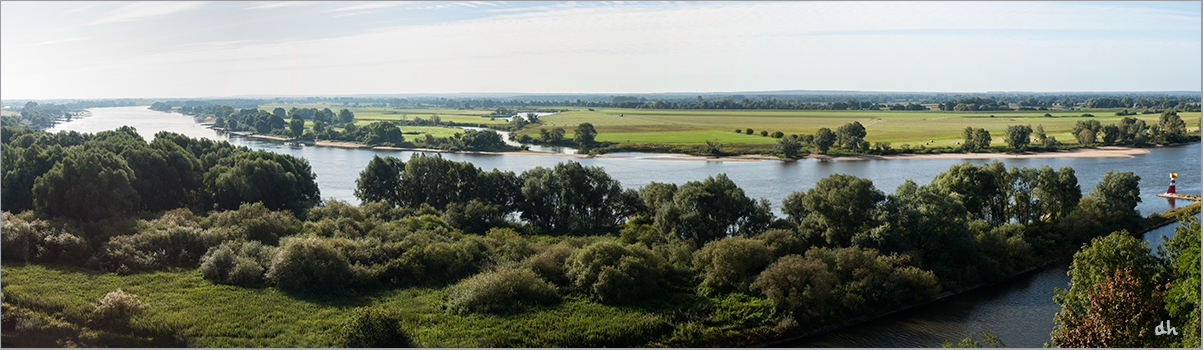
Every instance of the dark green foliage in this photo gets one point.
(782, 242)
(549, 263)
(850, 135)
(382, 133)
(475, 216)
(824, 138)
(571, 199)
(373, 327)
(279, 181)
(380, 181)
(711, 209)
(584, 135)
(1181, 257)
(1018, 137)
(436, 181)
(831, 284)
(507, 289)
(615, 274)
(838, 207)
(309, 264)
(730, 264)
(88, 184)
(1116, 196)
(983, 189)
(21, 167)
(432, 257)
(788, 147)
(168, 176)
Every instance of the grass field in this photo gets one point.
(675, 126)
(213, 315)
(898, 127)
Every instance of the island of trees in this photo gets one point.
(195, 242)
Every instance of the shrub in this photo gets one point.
(435, 260)
(782, 242)
(22, 240)
(508, 246)
(254, 222)
(730, 263)
(182, 217)
(373, 327)
(506, 289)
(237, 263)
(176, 246)
(308, 264)
(117, 305)
(549, 263)
(612, 273)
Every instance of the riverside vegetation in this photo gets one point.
(109, 240)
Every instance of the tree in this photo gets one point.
(1110, 134)
(380, 181)
(839, 206)
(714, 148)
(1113, 300)
(981, 139)
(1118, 193)
(436, 181)
(1085, 137)
(296, 126)
(584, 136)
(1181, 256)
(1018, 137)
(850, 135)
(824, 138)
(570, 198)
(983, 189)
(788, 147)
(345, 116)
(712, 209)
(279, 181)
(1172, 126)
(89, 185)
(967, 138)
(279, 111)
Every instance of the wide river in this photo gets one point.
(1020, 312)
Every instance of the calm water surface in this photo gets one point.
(1020, 311)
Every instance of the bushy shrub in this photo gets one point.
(308, 264)
(508, 246)
(181, 217)
(237, 263)
(335, 209)
(612, 273)
(175, 246)
(549, 263)
(783, 242)
(254, 222)
(373, 327)
(433, 258)
(475, 216)
(505, 289)
(36, 241)
(829, 284)
(118, 304)
(730, 263)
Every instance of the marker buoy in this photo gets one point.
(1172, 189)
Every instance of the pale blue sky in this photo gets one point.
(210, 49)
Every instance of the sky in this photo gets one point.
(52, 50)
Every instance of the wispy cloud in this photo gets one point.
(484, 3)
(144, 10)
(277, 4)
(58, 41)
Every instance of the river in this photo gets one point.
(1020, 311)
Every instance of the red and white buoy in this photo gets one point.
(1172, 176)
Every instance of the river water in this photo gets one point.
(1020, 311)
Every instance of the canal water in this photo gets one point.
(1020, 311)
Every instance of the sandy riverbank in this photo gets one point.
(1100, 152)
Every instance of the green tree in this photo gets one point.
(824, 138)
(89, 185)
(279, 181)
(967, 135)
(981, 139)
(345, 116)
(584, 136)
(1116, 270)
(712, 209)
(279, 111)
(1118, 193)
(380, 181)
(1085, 137)
(983, 190)
(788, 147)
(839, 206)
(850, 135)
(296, 126)
(570, 198)
(1018, 137)
(1172, 126)
(1181, 257)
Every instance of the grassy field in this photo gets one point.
(898, 127)
(213, 315)
(370, 114)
